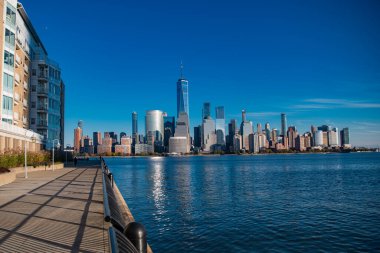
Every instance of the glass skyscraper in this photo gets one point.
(220, 126)
(134, 123)
(182, 96)
(283, 124)
(206, 112)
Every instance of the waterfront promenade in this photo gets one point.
(60, 211)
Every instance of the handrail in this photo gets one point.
(132, 236)
(113, 240)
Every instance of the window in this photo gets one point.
(34, 72)
(7, 120)
(8, 58)
(33, 121)
(9, 37)
(8, 83)
(33, 88)
(7, 105)
(11, 16)
(33, 104)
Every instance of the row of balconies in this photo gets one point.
(17, 99)
(19, 62)
(18, 81)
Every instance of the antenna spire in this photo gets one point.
(181, 69)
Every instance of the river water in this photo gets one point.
(262, 203)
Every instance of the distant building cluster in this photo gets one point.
(169, 134)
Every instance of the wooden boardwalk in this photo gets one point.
(60, 211)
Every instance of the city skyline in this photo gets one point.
(316, 63)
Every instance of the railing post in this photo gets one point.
(136, 233)
(110, 176)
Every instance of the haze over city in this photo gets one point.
(318, 63)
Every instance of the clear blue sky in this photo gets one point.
(317, 61)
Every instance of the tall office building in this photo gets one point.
(345, 137)
(134, 123)
(78, 137)
(246, 129)
(259, 129)
(169, 129)
(182, 94)
(180, 142)
(333, 137)
(198, 136)
(97, 140)
(220, 126)
(292, 135)
(206, 110)
(318, 138)
(283, 124)
(208, 134)
(267, 131)
(23, 106)
(154, 122)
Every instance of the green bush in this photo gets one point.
(16, 158)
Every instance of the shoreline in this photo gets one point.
(217, 155)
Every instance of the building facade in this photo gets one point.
(220, 126)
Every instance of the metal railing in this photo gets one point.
(124, 236)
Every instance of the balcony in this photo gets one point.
(25, 103)
(17, 78)
(15, 116)
(42, 123)
(43, 76)
(24, 120)
(18, 60)
(17, 98)
(42, 107)
(26, 69)
(25, 85)
(42, 91)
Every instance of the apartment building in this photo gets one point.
(31, 87)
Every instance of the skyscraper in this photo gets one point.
(267, 131)
(283, 124)
(182, 94)
(220, 126)
(206, 111)
(134, 123)
(180, 143)
(246, 129)
(345, 137)
(169, 129)
(97, 140)
(78, 137)
(208, 134)
(198, 136)
(154, 122)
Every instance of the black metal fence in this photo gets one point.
(124, 236)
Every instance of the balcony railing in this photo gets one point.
(17, 78)
(15, 116)
(25, 102)
(18, 59)
(43, 90)
(42, 123)
(25, 85)
(24, 120)
(26, 68)
(42, 107)
(17, 97)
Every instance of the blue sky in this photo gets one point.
(317, 61)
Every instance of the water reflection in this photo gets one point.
(284, 203)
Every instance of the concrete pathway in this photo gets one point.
(60, 211)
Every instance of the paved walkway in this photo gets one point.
(60, 211)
